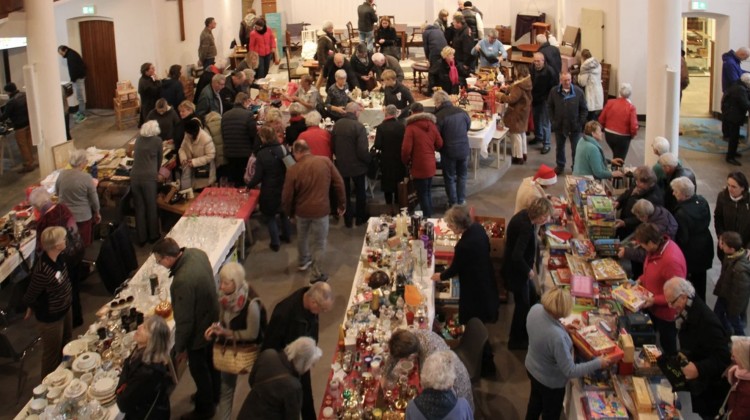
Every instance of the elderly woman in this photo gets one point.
(251, 61)
(673, 169)
(395, 93)
(646, 212)
(518, 266)
(76, 189)
(387, 39)
(491, 51)
(472, 264)
(197, 156)
(171, 87)
(270, 172)
(732, 211)
(142, 392)
(362, 65)
(276, 390)
(274, 118)
(263, 42)
(516, 117)
(590, 79)
(448, 78)
(589, 159)
(143, 182)
(241, 320)
(149, 89)
(694, 238)
(645, 187)
(338, 96)
(296, 123)
(49, 298)
(549, 361)
(166, 117)
(620, 122)
(437, 400)
(388, 140)
(423, 343)
(421, 140)
(664, 260)
(318, 139)
(659, 146)
(307, 95)
(327, 43)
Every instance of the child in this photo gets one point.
(733, 287)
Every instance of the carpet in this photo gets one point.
(704, 135)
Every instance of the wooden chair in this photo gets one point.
(294, 35)
(571, 41)
(349, 44)
(291, 72)
(415, 40)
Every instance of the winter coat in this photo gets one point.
(228, 94)
(388, 139)
(17, 110)
(270, 172)
(453, 124)
(735, 103)
(739, 401)
(733, 216)
(208, 101)
(363, 68)
(590, 79)
(276, 390)
(590, 160)
(520, 250)
(76, 66)
(567, 111)
(168, 121)
(366, 17)
(421, 140)
(213, 126)
(620, 117)
(173, 92)
(150, 91)
(734, 283)
(400, 96)
(350, 146)
(693, 237)
(308, 186)
(542, 83)
(470, 17)
(142, 389)
(262, 43)
(463, 43)
(552, 58)
(625, 203)
(294, 129)
(319, 141)
(147, 158)
(433, 42)
(669, 200)
(442, 78)
(660, 266)
(200, 151)
(326, 42)
(239, 131)
(731, 69)
(516, 117)
(667, 225)
(460, 410)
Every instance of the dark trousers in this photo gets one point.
(273, 222)
(732, 131)
(264, 65)
(86, 230)
(308, 405)
(592, 115)
(360, 209)
(619, 144)
(235, 170)
(524, 295)
(207, 379)
(389, 197)
(544, 401)
(698, 279)
(667, 334)
(424, 192)
(732, 323)
(144, 201)
(560, 137)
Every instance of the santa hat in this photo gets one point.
(545, 176)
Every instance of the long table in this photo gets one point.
(13, 259)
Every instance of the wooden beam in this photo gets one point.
(182, 20)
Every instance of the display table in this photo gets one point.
(480, 140)
(238, 203)
(13, 260)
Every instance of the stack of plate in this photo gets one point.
(103, 390)
(76, 347)
(75, 390)
(86, 362)
(58, 379)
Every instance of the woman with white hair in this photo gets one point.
(437, 400)
(147, 159)
(77, 190)
(448, 77)
(694, 238)
(296, 123)
(327, 43)
(142, 392)
(620, 122)
(242, 319)
(338, 96)
(276, 389)
(659, 146)
(590, 79)
(490, 51)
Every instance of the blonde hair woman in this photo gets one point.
(448, 77)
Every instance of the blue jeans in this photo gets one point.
(312, 235)
(424, 192)
(369, 38)
(360, 192)
(273, 227)
(264, 65)
(79, 87)
(560, 148)
(542, 128)
(732, 323)
(454, 174)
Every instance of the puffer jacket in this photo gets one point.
(516, 117)
(350, 146)
(270, 172)
(693, 237)
(733, 216)
(453, 124)
(433, 40)
(200, 151)
(567, 112)
(590, 79)
(239, 130)
(421, 140)
(734, 282)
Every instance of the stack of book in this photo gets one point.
(603, 405)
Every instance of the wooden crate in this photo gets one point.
(126, 112)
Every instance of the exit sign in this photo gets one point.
(697, 5)
(89, 10)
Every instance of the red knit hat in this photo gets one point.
(545, 175)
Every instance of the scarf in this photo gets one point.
(435, 404)
(453, 72)
(234, 302)
(262, 31)
(682, 316)
(736, 200)
(736, 373)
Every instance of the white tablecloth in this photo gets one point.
(12, 261)
(481, 139)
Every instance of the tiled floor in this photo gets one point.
(274, 276)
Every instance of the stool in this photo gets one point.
(418, 68)
(539, 28)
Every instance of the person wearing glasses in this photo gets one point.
(732, 211)
(704, 342)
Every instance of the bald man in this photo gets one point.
(337, 62)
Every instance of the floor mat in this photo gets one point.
(704, 135)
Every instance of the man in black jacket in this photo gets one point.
(543, 80)
(238, 130)
(434, 41)
(706, 345)
(77, 72)
(567, 110)
(294, 317)
(365, 23)
(337, 62)
(463, 44)
(350, 147)
(551, 55)
(17, 111)
(232, 87)
(734, 107)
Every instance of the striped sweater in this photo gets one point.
(50, 292)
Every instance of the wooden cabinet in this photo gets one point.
(268, 6)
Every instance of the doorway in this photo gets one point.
(698, 40)
(99, 54)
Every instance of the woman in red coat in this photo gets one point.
(620, 122)
(739, 377)
(421, 139)
(263, 42)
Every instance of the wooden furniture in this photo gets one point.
(571, 41)
(606, 70)
(268, 6)
(5, 146)
(401, 33)
(415, 40)
(126, 112)
(291, 73)
(312, 67)
(349, 44)
(504, 34)
(527, 50)
(539, 28)
(418, 69)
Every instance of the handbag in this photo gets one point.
(235, 358)
(203, 171)
(407, 194)
(373, 168)
(249, 169)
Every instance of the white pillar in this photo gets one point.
(662, 104)
(42, 78)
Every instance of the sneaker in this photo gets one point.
(322, 277)
(304, 266)
(546, 149)
(80, 118)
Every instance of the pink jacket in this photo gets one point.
(263, 44)
(619, 115)
(659, 267)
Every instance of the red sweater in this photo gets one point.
(319, 141)
(619, 116)
(263, 44)
(659, 267)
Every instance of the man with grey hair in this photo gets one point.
(210, 98)
(734, 107)
(232, 86)
(75, 188)
(333, 64)
(673, 169)
(238, 131)
(660, 217)
(551, 54)
(318, 139)
(490, 51)
(568, 111)
(453, 124)
(704, 342)
(386, 62)
(351, 149)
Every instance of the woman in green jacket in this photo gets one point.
(590, 158)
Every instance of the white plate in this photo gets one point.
(477, 125)
(86, 361)
(58, 378)
(76, 347)
(104, 385)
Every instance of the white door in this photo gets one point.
(592, 31)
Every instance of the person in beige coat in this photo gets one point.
(213, 127)
(197, 150)
(516, 117)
